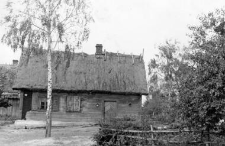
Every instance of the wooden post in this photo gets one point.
(152, 135)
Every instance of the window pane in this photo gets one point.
(42, 101)
(43, 105)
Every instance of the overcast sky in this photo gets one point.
(128, 26)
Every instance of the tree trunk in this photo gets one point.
(49, 92)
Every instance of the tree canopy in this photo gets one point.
(195, 75)
(202, 92)
(27, 21)
(166, 71)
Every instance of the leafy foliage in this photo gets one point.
(202, 92)
(127, 131)
(7, 76)
(156, 105)
(27, 23)
(4, 103)
(195, 76)
(166, 71)
(108, 137)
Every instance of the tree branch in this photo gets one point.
(56, 6)
(68, 16)
(65, 18)
(68, 28)
(56, 43)
(30, 15)
(38, 27)
(41, 5)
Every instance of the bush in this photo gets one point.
(120, 123)
(116, 137)
(112, 133)
(218, 138)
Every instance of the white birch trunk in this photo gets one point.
(49, 91)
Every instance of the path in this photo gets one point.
(69, 136)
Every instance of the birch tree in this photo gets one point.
(166, 70)
(35, 24)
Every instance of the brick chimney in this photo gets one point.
(98, 49)
(15, 62)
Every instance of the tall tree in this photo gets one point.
(37, 24)
(202, 92)
(166, 71)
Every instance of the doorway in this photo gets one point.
(110, 109)
(27, 100)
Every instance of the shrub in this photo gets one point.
(112, 133)
(117, 137)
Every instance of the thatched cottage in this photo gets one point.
(85, 87)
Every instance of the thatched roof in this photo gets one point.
(80, 72)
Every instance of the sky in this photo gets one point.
(129, 26)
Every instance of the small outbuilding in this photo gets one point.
(86, 88)
(12, 107)
(9, 98)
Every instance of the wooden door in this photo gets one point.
(110, 109)
(27, 99)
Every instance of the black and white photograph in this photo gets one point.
(112, 73)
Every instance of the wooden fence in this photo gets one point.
(12, 111)
(153, 135)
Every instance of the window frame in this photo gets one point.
(45, 105)
(75, 100)
(43, 99)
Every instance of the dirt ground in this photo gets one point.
(67, 136)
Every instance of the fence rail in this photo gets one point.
(150, 135)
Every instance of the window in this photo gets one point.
(43, 105)
(72, 103)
